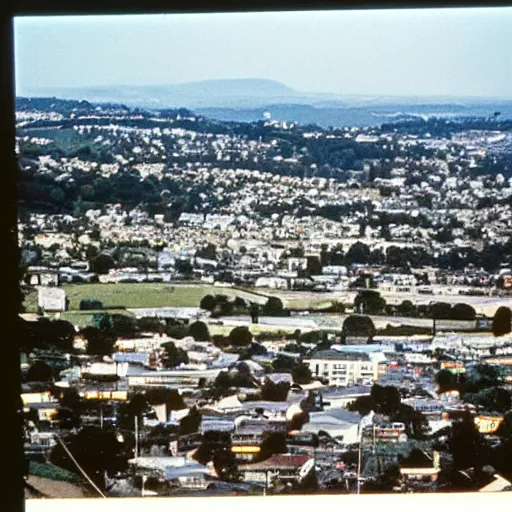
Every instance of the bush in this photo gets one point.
(89, 304)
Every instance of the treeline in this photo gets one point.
(445, 127)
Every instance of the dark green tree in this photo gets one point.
(273, 443)
(99, 341)
(199, 331)
(208, 302)
(440, 310)
(301, 374)
(240, 337)
(501, 323)
(314, 267)
(274, 392)
(190, 423)
(407, 308)
(446, 381)
(273, 307)
(463, 312)
(39, 371)
(358, 253)
(170, 397)
(97, 451)
(358, 325)
(370, 302)
(173, 356)
(102, 263)
(90, 304)
(466, 444)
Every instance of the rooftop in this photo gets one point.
(339, 356)
(279, 461)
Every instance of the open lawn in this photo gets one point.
(141, 295)
(82, 319)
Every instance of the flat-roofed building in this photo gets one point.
(178, 379)
(343, 368)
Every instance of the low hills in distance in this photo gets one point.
(253, 99)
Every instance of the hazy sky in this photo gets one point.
(457, 52)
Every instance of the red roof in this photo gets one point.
(278, 461)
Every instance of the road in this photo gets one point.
(335, 322)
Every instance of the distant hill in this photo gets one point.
(208, 93)
(247, 99)
(233, 87)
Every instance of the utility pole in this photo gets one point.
(136, 437)
(359, 461)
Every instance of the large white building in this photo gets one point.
(343, 368)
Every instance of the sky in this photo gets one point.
(428, 52)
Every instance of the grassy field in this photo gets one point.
(141, 295)
(84, 318)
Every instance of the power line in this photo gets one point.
(78, 465)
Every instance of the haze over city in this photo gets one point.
(448, 52)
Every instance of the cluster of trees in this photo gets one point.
(437, 310)
(45, 333)
(482, 386)
(173, 356)
(387, 401)
(239, 376)
(221, 305)
(90, 304)
(97, 451)
(490, 257)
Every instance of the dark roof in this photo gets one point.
(337, 355)
(279, 461)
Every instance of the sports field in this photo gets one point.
(142, 295)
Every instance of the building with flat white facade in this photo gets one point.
(343, 368)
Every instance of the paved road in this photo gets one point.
(483, 304)
(335, 322)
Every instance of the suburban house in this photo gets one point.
(176, 379)
(341, 397)
(338, 423)
(283, 467)
(174, 471)
(246, 441)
